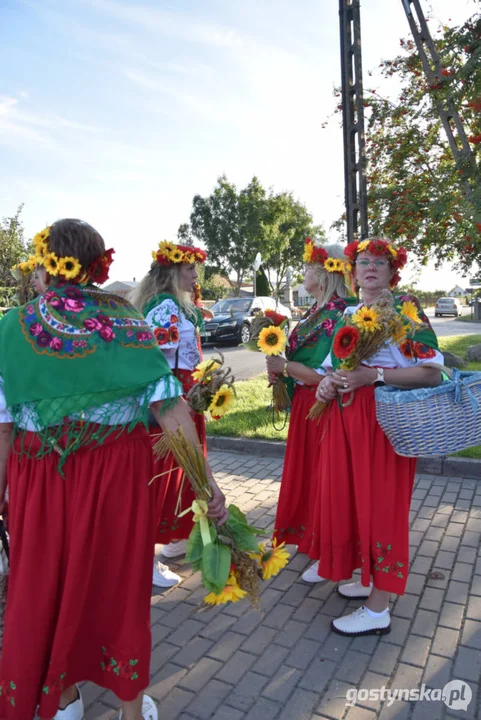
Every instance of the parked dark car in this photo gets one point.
(233, 316)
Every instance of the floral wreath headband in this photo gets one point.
(377, 246)
(315, 254)
(69, 268)
(171, 253)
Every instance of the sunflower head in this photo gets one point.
(176, 256)
(231, 593)
(272, 340)
(366, 319)
(69, 267)
(203, 371)
(308, 251)
(51, 263)
(272, 559)
(222, 401)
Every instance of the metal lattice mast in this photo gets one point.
(355, 186)
(449, 116)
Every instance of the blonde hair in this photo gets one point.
(334, 283)
(162, 279)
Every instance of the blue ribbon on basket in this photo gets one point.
(459, 385)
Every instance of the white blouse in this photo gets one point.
(389, 356)
(175, 333)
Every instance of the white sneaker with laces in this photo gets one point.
(163, 577)
(360, 622)
(73, 711)
(149, 709)
(354, 590)
(311, 574)
(174, 549)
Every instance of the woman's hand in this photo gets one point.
(217, 510)
(326, 390)
(347, 381)
(275, 365)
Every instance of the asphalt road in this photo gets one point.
(246, 364)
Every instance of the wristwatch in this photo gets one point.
(284, 370)
(379, 378)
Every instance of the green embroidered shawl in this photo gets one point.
(310, 341)
(72, 350)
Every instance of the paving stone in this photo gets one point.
(358, 713)
(166, 680)
(259, 640)
(444, 641)
(425, 623)
(399, 631)
(467, 555)
(228, 713)
(444, 560)
(226, 646)
(457, 592)
(282, 684)
(300, 705)
(318, 675)
(247, 691)
(208, 700)
(192, 652)
(385, 658)
(462, 572)
(335, 646)
(333, 703)
(271, 660)
(467, 665)
(472, 634)
(302, 654)
(352, 667)
(236, 667)
(421, 565)
(278, 616)
(290, 633)
(451, 615)
(406, 606)
(431, 599)
(307, 610)
(264, 709)
(416, 650)
(474, 608)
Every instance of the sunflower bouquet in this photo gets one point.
(268, 337)
(229, 557)
(214, 389)
(365, 332)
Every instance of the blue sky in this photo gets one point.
(120, 112)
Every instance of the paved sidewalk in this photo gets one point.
(232, 663)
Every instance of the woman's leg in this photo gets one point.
(133, 710)
(378, 600)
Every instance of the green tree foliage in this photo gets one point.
(13, 249)
(229, 223)
(236, 225)
(184, 235)
(286, 227)
(417, 193)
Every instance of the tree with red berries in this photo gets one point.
(417, 194)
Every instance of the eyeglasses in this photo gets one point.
(377, 263)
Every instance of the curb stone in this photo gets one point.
(448, 466)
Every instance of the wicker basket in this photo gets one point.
(432, 421)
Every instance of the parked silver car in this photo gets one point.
(447, 306)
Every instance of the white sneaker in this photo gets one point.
(174, 549)
(149, 709)
(163, 577)
(311, 574)
(360, 622)
(73, 711)
(354, 590)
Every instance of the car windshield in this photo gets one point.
(446, 301)
(232, 305)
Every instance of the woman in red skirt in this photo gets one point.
(364, 488)
(164, 296)
(79, 369)
(309, 344)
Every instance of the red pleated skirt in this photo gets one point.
(363, 498)
(172, 490)
(80, 583)
(295, 516)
